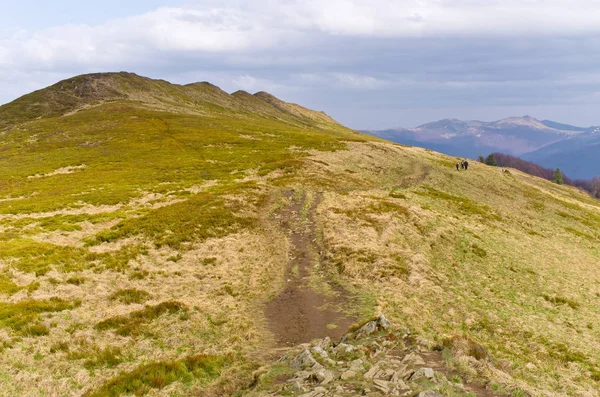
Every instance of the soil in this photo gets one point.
(300, 314)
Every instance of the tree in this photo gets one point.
(481, 159)
(491, 160)
(558, 177)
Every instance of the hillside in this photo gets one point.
(168, 240)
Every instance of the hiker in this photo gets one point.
(466, 165)
(462, 164)
(456, 166)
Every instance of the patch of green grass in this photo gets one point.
(132, 323)
(130, 296)
(76, 280)
(463, 204)
(7, 286)
(199, 218)
(22, 316)
(158, 375)
(119, 260)
(561, 300)
(30, 256)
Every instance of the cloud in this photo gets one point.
(352, 58)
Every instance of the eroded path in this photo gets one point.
(300, 313)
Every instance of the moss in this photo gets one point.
(158, 375)
(21, 316)
(7, 286)
(108, 357)
(132, 323)
(130, 296)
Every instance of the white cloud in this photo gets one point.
(394, 52)
(237, 27)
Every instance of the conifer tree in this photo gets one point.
(558, 177)
(491, 160)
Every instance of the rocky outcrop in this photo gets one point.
(374, 360)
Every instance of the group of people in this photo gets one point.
(464, 165)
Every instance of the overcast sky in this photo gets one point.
(368, 63)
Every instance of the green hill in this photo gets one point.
(149, 233)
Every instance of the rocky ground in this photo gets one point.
(374, 360)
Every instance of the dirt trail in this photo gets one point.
(299, 313)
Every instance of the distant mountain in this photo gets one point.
(577, 156)
(546, 142)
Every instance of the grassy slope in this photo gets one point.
(135, 236)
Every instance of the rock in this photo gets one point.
(349, 374)
(373, 326)
(366, 329)
(399, 383)
(320, 351)
(383, 322)
(370, 374)
(423, 373)
(430, 393)
(413, 359)
(357, 365)
(296, 386)
(303, 360)
(324, 343)
(331, 362)
(343, 348)
(323, 376)
(382, 385)
(530, 366)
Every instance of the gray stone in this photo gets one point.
(324, 343)
(367, 329)
(349, 374)
(370, 374)
(357, 365)
(320, 351)
(382, 385)
(303, 360)
(323, 376)
(296, 386)
(423, 373)
(383, 322)
(413, 359)
(343, 348)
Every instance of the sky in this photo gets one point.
(370, 64)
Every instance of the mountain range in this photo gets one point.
(548, 143)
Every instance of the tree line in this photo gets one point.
(505, 160)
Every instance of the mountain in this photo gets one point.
(577, 156)
(549, 143)
(163, 239)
